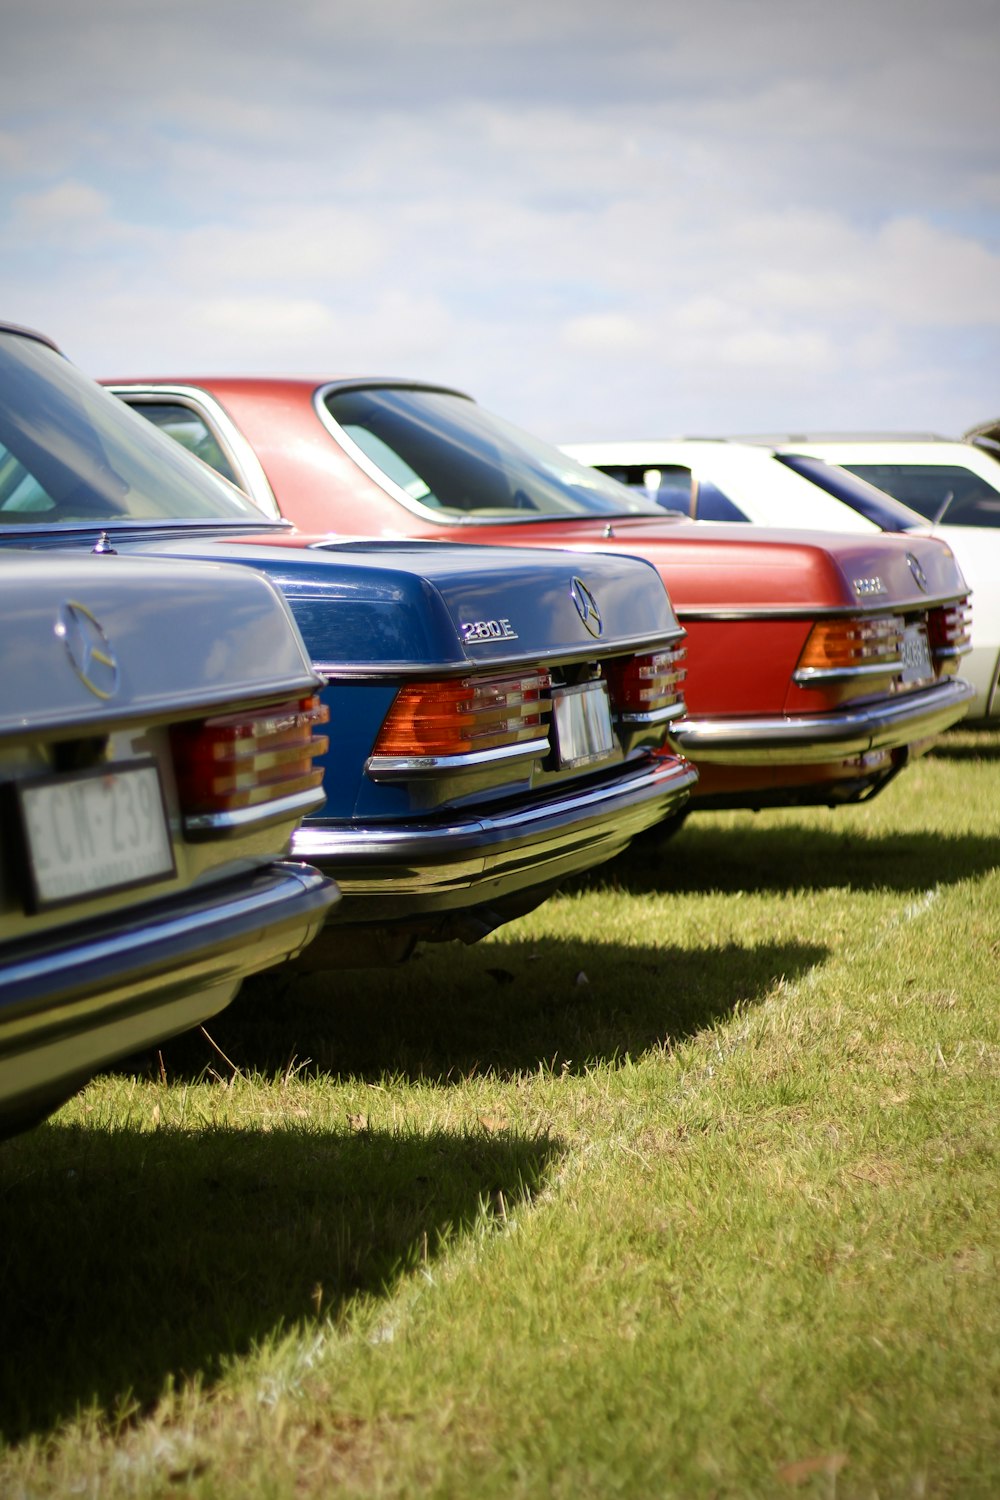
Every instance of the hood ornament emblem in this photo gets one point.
(586, 606)
(919, 576)
(89, 649)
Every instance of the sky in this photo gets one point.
(626, 219)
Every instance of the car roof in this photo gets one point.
(28, 333)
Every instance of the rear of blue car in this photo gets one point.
(498, 722)
(498, 717)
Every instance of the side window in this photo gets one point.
(712, 504)
(669, 485)
(944, 493)
(189, 429)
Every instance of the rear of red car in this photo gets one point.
(821, 702)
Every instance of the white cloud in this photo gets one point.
(765, 349)
(67, 205)
(606, 333)
(14, 154)
(264, 324)
(304, 245)
(929, 275)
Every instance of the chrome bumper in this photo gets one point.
(435, 865)
(815, 738)
(72, 1001)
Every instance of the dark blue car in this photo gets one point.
(498, 717)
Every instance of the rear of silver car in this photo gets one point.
(158, 729)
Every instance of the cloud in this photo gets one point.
(606, 333)
(264, 324)
(14, 154)
(66, 206)
(928, 275)
(304, 245)
(746, 215)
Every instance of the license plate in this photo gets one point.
(916, 653)
(95, 831)
(582, 720)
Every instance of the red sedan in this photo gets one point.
(818, 663)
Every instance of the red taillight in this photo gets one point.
(949, 632)
(459, 716)
(850, 645)
(651, 684)
(246, 759)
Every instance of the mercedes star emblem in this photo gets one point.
(918, 573)
(94, 662)
(586, 606)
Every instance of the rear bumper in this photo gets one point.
(821, 738)
(75, 1000)
(396, 873)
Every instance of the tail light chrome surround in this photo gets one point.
(648, 689)
(949, 631)
(251, 767)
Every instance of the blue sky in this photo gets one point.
(602, 220)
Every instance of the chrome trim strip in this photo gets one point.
(525, 659)
(245, 463)
(658, 715)
(917, 605)
(804, 676)
(811, 739)
(200, 825)
(253, 700)
(386, 767)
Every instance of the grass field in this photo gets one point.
(684, 1186)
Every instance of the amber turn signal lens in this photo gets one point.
(845, 644)
(461, 715)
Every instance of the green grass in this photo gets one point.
(685, 1185)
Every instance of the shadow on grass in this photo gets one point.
(968, 744)
(502, 1009)
(756, 855)
(130, 1257)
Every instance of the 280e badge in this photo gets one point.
(488, 630)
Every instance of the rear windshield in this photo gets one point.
(447, 454)
(72, 454)
(946, 493)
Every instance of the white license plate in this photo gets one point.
(95, 831)
(916, 653)
(582, 719)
